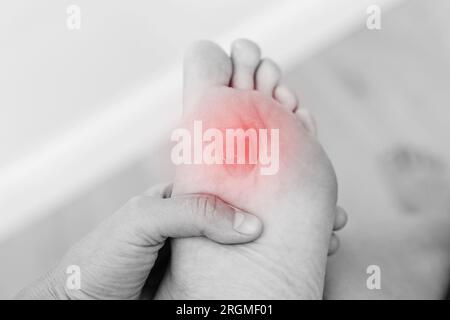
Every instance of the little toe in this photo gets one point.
(340, 220)
(245, 56)
(268, 75)
(286, 97)
(334, 244)
(206, 65)
(307, 120)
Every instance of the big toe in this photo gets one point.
(206, 65)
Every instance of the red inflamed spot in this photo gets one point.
(234, 133)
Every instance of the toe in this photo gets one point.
(206, 65)
(267, 77)
(340, 220)
(334, 244)
(162, 190)
(308, 121)
(245, 56)
(286, 97)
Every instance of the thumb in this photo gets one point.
(193, 216)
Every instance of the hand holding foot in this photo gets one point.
(116, 258)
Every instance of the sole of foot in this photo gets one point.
(297, 204)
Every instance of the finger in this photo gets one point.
(161, 190)
(334, 244)
(340, 220)
(192, 216)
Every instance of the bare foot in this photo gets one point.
(297, 204)
(410, 245)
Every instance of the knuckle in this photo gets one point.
(206, 206)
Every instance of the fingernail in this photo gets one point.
(246, 223)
